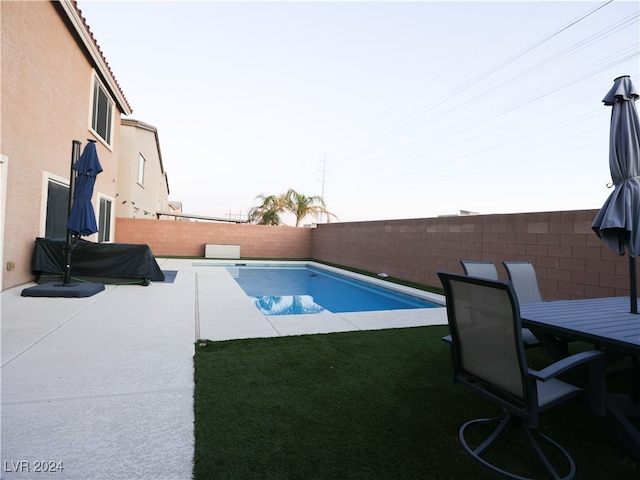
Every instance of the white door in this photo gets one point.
(4, 166)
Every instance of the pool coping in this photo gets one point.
(227, 313)
(379, 282)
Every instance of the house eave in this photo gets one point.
(84, 35)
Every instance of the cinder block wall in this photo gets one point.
(168, 237)
(570, 260)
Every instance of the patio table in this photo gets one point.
(605, 323)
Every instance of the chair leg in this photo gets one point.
(531, 435)
(503, 421)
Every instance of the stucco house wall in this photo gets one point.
(140, 199)
(46, 93)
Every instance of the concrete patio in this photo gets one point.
(102, 387)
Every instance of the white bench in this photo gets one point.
(217, 250)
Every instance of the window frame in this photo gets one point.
(57, 212)
(101, 122)
(142, 162)
(105, 219)
(44, 198)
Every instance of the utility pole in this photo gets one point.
(324, 171)
(324, 176)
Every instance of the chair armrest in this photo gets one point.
(565, 364)
(597, 376)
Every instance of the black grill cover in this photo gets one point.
(109, 262)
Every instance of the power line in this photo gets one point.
(412, 117)
(556, 85)
(553, 87)
(454, 166)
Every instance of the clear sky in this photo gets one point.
(406, 109)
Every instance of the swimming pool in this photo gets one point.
(295, 290)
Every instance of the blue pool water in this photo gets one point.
(304, 290)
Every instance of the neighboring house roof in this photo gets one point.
(69, 10)
(175, 205)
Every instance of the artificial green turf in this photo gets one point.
(359, 405)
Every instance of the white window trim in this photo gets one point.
(4, 170)
(46, 178)
(144, 167)
(112, 217)
(94, 79)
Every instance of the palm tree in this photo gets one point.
(271, 207)
(301, 205)
(268, 211)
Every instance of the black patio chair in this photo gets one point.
(488, 358)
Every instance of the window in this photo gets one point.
(141, 162)
(102, 112)
(57, 210)
(104, 220)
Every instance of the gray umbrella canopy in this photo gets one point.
(618, 222)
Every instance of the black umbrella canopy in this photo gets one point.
(82, 219)
(618, 222)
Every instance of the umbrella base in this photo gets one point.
(63, 290)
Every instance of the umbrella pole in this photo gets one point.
(75, 154)
(633, 284)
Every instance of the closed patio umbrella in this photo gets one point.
(81, 221)
(82, 218)
(618, 221)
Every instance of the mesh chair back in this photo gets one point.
(484, 321)
(480, 268)
(524, 280)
